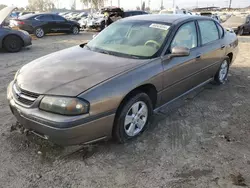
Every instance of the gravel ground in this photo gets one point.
(202, 140)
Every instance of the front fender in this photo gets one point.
(107, 96)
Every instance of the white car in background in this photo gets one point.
(174, 11)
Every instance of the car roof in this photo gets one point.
(167, 18)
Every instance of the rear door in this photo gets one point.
(180, 73)
(212, 50)
(61, 23)
(46, 22)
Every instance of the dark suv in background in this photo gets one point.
(40, 24)
(134, 13)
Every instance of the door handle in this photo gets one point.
(223, 46)
(198, 56)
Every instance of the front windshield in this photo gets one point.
(134, 39)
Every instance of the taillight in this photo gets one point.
(20, 23)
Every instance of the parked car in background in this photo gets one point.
(97, 21)
(41, 24)
(173, 11)
(24, 13)
(80, 16)
(133, 13)
(110, 86)
(12, 40)
(240, 25)
(63, 13)
(211, 15)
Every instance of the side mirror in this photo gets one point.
(179, 51)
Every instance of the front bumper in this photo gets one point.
(62, 130)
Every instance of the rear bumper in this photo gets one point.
(87, 132)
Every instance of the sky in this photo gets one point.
(155, 4)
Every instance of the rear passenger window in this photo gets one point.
(209, 31)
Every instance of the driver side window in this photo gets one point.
(186, 36)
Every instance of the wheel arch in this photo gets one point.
(12, 35)
(149, 89)
(231, 56)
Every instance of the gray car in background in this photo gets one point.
(12, 40)
(111, 86)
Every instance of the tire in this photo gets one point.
(75, 30)
(12, 43)
(136, 123)
(221, 75)
(39, 32)
(241, 31)
(102, 26)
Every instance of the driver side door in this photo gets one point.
(180, 73)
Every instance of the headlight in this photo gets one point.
(64, 105)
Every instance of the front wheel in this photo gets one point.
(12, 43)
(221, 75)
(75, 30)
(133, 118)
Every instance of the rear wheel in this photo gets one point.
(221, 75)
(133, 118)
(39, 32)
(12, 43)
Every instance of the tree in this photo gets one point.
(41, 5)
(2, 6)
(138, 8)
(147, 9)
(73, 6)
(95, 3)
(143, 6)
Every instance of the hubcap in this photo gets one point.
(39, 32)
(223, 71)
(136, 118)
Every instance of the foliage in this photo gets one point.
(41, 5)
(95, 3)
(2, 6)
(138, 8)
(143, 6)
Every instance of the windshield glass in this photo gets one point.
(134, 39)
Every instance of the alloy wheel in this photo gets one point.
(39, 32)
(75, 30)
(136, 118)
(223, 71)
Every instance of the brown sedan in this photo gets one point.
(111, 86)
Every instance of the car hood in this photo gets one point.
(5, 12)
(71, 71)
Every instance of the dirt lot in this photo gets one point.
(200, 141)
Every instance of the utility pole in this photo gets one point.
(197, 3)
(230, 4)
(161, 4)
(174, 4)
(118, 3)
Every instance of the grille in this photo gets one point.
(24, 97)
